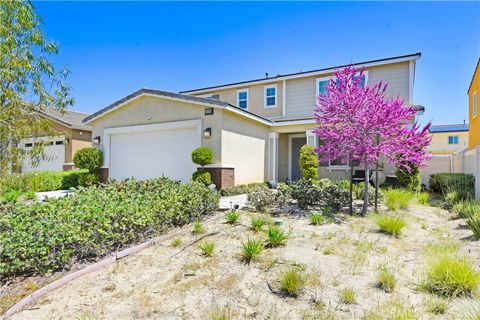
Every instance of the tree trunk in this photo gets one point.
(376, 187)
(351, 186)
(365, 191)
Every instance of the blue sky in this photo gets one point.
(115, 48)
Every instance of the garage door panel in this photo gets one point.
(54, 155)
(150, 154)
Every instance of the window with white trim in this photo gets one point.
(323, 82)
(340, 162)
(475, 107)
(242, 98)
(271, 96)
(452, 139)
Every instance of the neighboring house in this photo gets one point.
(473, 92)
(73, 135)
(255, 128)
(449, 138)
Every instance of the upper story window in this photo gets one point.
(323, 82)
(271, 96)
(475, 107)
(452, 139)
(242, 98)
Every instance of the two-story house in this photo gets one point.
(448, 138)
(255, 128)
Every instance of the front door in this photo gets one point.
(297, 143)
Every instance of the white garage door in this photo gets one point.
(150, 154)
(54, 155)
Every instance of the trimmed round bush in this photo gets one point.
(308, 163)
(88, 158)
(202, 177)
(88, 179)
(202, 156)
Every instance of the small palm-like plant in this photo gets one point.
(207, 248)
(198, 228)
(276, 236)
(316, 219)
(251, 249)
(232, 216)
(257, 224)
(391, 224)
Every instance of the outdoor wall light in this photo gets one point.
(96, 140)
(207, 133)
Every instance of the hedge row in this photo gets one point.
(45, 237)
(445, 183)
(40, 181)
(243, 188)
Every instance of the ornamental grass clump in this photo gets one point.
(386, 279)
(316, 219)
(348, 296)
(422, 198)
(451, 276)
(276, 236)
(256, 224)
(292, 281)
(251, 249)
(473, 222)
(396, 199)
(389, 223)
(198, 228)
(207, 248)
(232, 216)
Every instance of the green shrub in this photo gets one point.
(276, 236)
(412, 181)
(251, 249)
(398, 199)
(177, 242)
(386, 279)
(323, 192)
(436, 305)
(202, 156)
(257, 224)
(308, 163)
(88, 158)
(392, 224)
(292, 281)
(203, 177)
(232, 216)
(422, 198)
(11, 195)
(261, 199)
(451, 276)
(88, 179)
(462, 183)
(473, 222)
(242, 189)
(348, 296)
(207, 248)
(360, 190)
(44, 237)
(466, 208)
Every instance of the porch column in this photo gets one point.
(311, 138)
(273, 157)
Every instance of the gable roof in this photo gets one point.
(370, 63)
(473, 76)
(176, 97)
(71, 119)
(448, 128)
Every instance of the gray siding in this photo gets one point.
(300, 100)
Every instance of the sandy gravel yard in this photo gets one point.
(332, 270)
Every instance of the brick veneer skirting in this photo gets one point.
(103, 174)
(222, 177)
(68, 167)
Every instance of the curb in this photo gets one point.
(91, 268)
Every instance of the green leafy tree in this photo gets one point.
(308, 163)
(29, 83)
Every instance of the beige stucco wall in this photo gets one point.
(256, 98)
(439, 143)
(149, 110)
(76, 140)
(244, 146)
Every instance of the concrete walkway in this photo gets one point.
(229, 202)
(52, 194)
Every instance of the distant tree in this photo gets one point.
(29, 83)
(359, 122)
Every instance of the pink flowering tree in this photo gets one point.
(358, 122)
